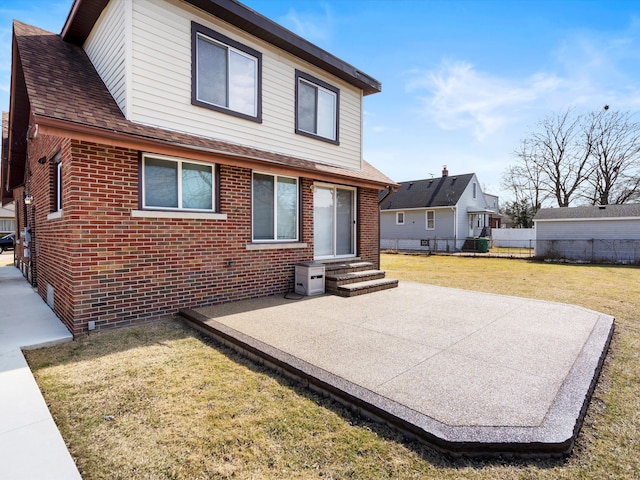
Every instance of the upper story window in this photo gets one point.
(399, 218)
(174, 184)
(475, 188)
(226, 75)
(274, 207)
(317, 108)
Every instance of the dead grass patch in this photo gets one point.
(162, 402)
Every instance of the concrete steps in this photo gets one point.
(351, 278)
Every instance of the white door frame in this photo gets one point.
(354, 207)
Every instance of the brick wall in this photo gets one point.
(368, 226)
(109, 267)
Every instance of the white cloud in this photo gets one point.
(461, 97)
(316, 26)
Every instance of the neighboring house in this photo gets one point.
(436, 214)
(7, 219)
(7, 210)
(606, 233)
(173, 154)
(492, 203)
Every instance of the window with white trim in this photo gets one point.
(317, 108)
(226, 75)
(275, 207)
(399, 218)
(431, 219)
(170, 183)
(475, 188)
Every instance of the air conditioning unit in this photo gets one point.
(309, 278)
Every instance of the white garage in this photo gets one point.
(600, 234)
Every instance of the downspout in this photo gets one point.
(390, 190)
(28, 209)
(455, 227)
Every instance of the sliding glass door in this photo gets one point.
(334, 221)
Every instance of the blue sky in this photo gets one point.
(462, 81)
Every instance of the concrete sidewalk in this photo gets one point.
(31, 446)
(469, 372)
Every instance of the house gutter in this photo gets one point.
(455, 224)
(55, 127)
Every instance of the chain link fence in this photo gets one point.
(606, 251)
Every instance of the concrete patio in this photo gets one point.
(470, 373)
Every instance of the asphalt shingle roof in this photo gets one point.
(62, 84)
(431, 192)
(603, 211)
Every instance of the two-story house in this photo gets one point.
(175, 153)
(436, 214)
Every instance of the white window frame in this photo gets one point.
(433, 220)
(179, 162)
(199, 33)
(475, 190)
(399, 218)
(275, 209)
(322, 86)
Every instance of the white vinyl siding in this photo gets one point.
(161, 88)
(106, 48)
(587, 229)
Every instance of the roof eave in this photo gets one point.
(84, 14)
(57, 127)
(18, 120)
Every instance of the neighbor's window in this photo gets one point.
(171, 183)
(7, 225)
(317, 105)
(226, 75)
(475, 187)
(399, 218)
(431, 219)
(274, 207)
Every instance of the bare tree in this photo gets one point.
(615, 158)
(554, 160)
(560, 151)
(524, 180)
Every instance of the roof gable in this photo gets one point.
(433, 192)
(60, 80)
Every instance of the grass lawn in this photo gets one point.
(161, 402)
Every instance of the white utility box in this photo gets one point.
(309, 278)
